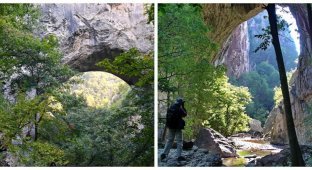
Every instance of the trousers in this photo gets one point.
(174, 133)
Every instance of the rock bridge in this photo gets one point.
(89, 33)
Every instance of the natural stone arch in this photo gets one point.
(88, 63)
(89, 33)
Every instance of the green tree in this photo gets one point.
(18, 116)
(28, 62)
(183, 47)
(133, 64)
(262, 94)
(226, 113)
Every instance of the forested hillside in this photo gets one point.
(100, 89)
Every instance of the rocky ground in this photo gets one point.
(194, 158)
(243, 149)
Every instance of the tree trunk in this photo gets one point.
(163, 137)
(296, 156)
(227, 121)
(36, 127)
(310, 23)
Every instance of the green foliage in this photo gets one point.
(133, 64)
(30, 63)
(20, 16)
(16, 116)
(20, 115)
(121, 136)
(183, 48)
(278, 96)
(39, 154)
(35, 62)
(226, 113)
(149, 10)
(100, 89)
(262, 94)
(261, 83)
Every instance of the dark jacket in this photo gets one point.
(177, 122)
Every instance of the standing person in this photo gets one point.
(175, 123)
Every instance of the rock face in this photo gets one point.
(235, 52)
(216, 143)
(275, 126)
(301, 87)
(225, 18)
(255, 125)
(89, 33)
(194, 158)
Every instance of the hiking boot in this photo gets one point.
(181, 158)
(162, 156)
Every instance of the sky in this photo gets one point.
(293, 27)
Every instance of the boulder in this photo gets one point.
(216, 143)
(275, 126)
(283, 158)
(255, 125)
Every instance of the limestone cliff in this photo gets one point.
(89, 33)
(235, 52)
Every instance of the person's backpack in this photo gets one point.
(173, 117)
